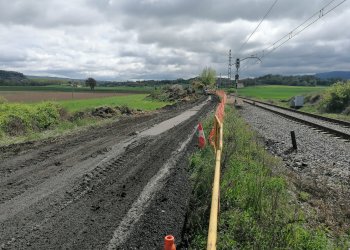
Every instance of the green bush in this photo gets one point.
(45, 115)
(18, 119)
(336, 98)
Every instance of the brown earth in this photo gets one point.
(31, 96)
(118, 186)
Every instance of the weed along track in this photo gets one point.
(99, 188)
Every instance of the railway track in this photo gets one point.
(338, 128)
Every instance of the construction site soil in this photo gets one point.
(119, 186)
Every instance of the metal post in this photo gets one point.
(229, 74)
(294, 141)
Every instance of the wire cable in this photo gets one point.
(267, 13)
(299, 29)
(303, 26)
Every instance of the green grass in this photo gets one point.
(257, 210)
(315, 110)
(65, 88)
(132, 101)
(276, 92)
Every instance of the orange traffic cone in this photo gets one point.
(169, 243)
(201, 136)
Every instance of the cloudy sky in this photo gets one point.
(169, 39)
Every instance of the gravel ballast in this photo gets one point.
(311, 119)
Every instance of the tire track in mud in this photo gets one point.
(85, 213)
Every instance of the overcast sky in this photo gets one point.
(168, 39)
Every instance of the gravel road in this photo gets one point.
(120, 186)
(320, 166)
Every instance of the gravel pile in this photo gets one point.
(322, 162)
(311, 119)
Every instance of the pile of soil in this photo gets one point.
(107, 112)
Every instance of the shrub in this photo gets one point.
(336, 98)
(45, 115)
(18, 119)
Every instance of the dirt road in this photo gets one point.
(121, 186)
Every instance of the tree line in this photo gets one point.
(298, 80)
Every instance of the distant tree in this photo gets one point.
(90, 82)
(208, 76)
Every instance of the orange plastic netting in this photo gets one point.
(220, 113)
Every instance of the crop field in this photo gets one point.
(37, 96)
(277, 92)
(66, 88)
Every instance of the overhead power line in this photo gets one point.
(303, 26)
(300, 28)
(267, 13)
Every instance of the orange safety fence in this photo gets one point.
(219, 114)
(216, 139)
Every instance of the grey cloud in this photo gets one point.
(50, 13)
(145, 39)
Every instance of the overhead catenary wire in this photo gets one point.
(308, 22)
(296, 31)
(299, 29)
(256, 28)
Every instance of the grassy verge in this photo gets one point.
(62, 128)
(314, 109)
(258, 211)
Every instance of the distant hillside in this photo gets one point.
(12, 78)
(11, 75)
(298, 80)
(344, 75)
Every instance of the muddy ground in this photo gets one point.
(120, 186)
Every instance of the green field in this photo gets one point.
(277, 92)
(65, 88)
(138, 101)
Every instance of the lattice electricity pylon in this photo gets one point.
(229, 73)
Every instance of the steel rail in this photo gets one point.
(311, 124)
(328, 119)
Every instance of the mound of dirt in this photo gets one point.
(105, 112)
(125, 110)
(78, 115)
(174, 93)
